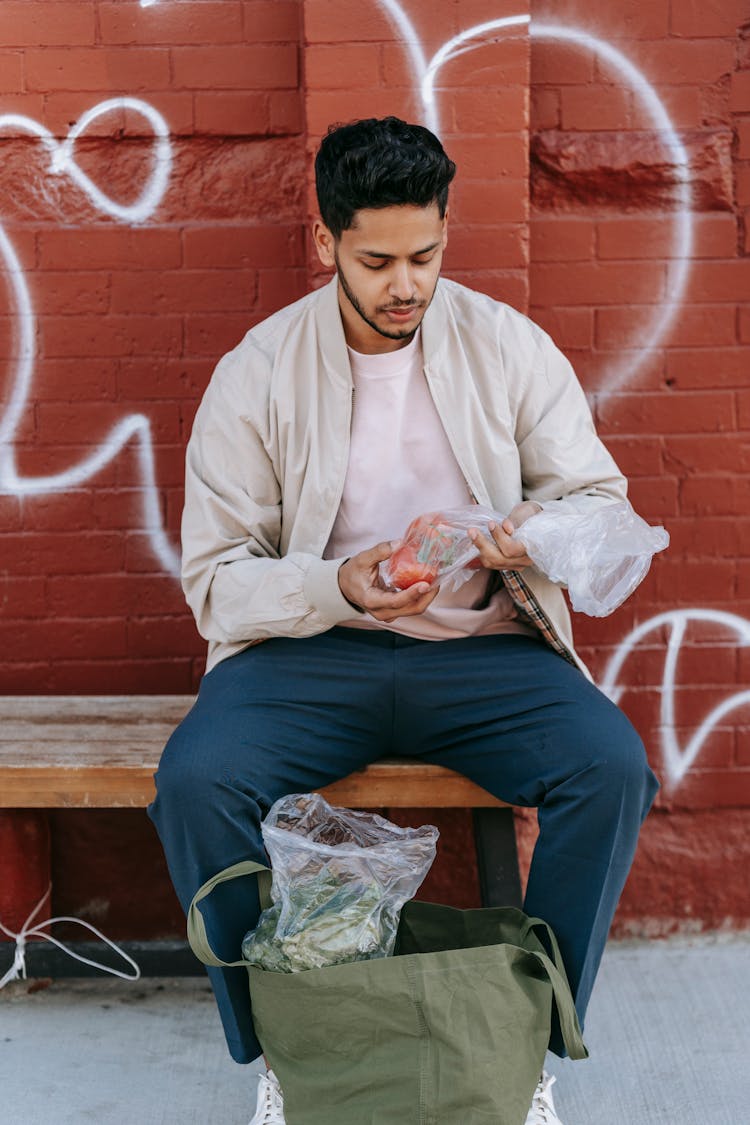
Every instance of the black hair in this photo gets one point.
(379, 162)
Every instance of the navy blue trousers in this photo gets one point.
(291, 715)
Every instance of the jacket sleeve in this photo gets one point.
(236, 583)
(564, 465)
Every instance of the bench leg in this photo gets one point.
(497, 859)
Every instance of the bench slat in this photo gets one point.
(101, 752)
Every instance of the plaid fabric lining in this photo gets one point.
(531, 613)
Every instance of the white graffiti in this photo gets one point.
(135, 427)
(477, 36)
(678, 759)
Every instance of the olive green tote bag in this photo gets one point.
(451, 1030)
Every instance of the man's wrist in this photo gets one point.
(343, 594)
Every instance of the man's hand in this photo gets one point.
(358, 581)
(502, 552)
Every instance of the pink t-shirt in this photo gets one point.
(401, 465)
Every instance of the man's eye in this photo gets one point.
(369, 267)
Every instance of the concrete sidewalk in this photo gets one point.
(668, 1031)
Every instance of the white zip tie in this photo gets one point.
(18, 968)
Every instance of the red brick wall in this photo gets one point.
(566, 204)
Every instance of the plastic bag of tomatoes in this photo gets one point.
(436, 547)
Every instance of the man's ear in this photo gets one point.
(325, 244)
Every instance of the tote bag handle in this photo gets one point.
(555, 969)
(196, 927)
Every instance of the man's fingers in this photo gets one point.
(417, 605)
(499, 552)
(389, 601)
(378, 553)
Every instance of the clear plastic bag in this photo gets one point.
(436, 547)
(340, 878)
(601, 557)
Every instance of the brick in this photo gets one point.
(184, 291)
(684, 105)
(63, 109)
(555, 63)
(110, 335)
(11, 518)
(215, 334)
(487, 247)
(504, 155)
(712, 537)
(569, 328)
(623, 19)
(654, 498)
(544, 109)
(744, 326)
(468, 113)
(708, 452)
(719, 495)
(743, 412)
(109, 248)
(501, 64)
(71, 511)
(640, 457)
(596, 283)
(680, 581)
(670, 413)
(703, 18)
(718, 281)
(156, 377)
(28, 105)
(691, 62)
(170, 469)
(61, 638)
(74, 380)
(326, 107)
(337, 21)
(24, 864)
(232, 114)
(481, 201)
(285, 112)
(742, 181)
(64, 552)
(243, 246)
(23, 597)
(161, 637)
(122, 676)
(743, 138)
(64, 423)
(249, 67)
(190, 21)
(696, 325)
(11, 72)
(708, 789)
(272, 20)
(279, 287)
(743, 589)
(625, 238)
(117, 594)
(124, 70)
(508, 286)
(64, 23)
(343, 67)
(739, 97)
(596, 107)
(72, 292)
(561, 239)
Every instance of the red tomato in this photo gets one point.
(406, 570)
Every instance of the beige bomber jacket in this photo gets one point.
(268, 454)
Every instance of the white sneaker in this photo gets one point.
(542, 1110)
(269, 1108)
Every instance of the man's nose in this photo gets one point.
(402, 283)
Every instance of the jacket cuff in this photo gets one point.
(322, 590)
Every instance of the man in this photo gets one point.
(388, 393)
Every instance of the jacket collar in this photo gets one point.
(436, 325)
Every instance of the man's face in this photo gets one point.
(388, 265)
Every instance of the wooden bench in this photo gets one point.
(102, 751)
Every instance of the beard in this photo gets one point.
(356, 304)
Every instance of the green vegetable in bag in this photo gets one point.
(340, 879)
